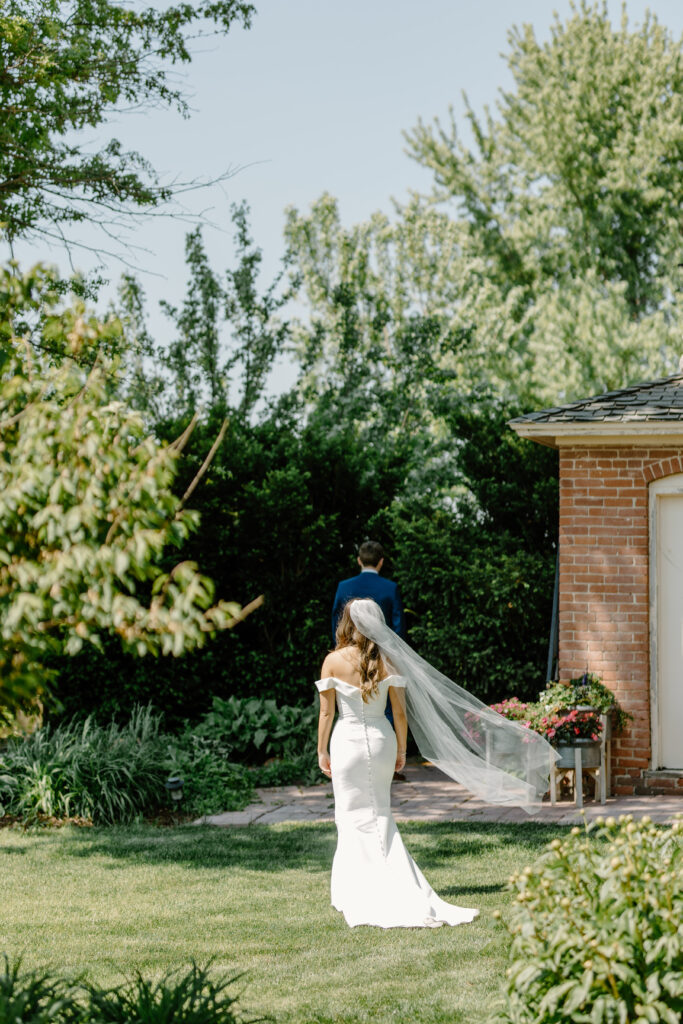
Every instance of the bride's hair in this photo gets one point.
(371, 665)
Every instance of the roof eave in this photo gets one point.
(557, 435)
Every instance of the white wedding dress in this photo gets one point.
(375, 881)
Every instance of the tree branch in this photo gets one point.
(205, 465)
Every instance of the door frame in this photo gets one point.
(666, 485)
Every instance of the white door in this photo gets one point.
(670, 629)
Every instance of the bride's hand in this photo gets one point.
(324, 765)
(400, 760)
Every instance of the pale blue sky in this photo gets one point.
(314, 97)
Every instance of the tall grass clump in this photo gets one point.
(192, 996)
(113, 773)
(596, 934)
(106, 773)
(35, 997)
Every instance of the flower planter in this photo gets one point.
(590, 754)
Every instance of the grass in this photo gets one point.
(106, 902)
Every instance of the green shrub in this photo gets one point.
(212, 783)
(248, 731)
(276, 491)
(301, 770)
(109, 774)
(255, 729)
(34, 997)
(596, 933)
(476, 566)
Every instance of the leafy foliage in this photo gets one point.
(87, 510)
(295, 769)
(279, 741)
(228, 334)
(255, 729)
(281, 512)
(112, 774)
(67, 68)
(371, 352)
(596, 933)
(212, 783)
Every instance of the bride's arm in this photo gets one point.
(325, 720)
(398, 708)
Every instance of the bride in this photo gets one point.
(375, 881)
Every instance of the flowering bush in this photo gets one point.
(587, 690)
(558, 728)
(472, 730)
(568, 727)
(512, 708)
(596, 933)
(556, 715)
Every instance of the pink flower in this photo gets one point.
(551, 733)
(577, 730)
(595, 736)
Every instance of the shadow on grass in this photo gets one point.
(291, 847)
(449, 891)
(447, 840)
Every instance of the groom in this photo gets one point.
(369, 583)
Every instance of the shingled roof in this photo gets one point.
(649, 406)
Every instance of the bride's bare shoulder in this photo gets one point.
(329, 664)
(341, 662)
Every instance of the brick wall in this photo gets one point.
(604, 583)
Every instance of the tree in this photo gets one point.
(378, 351)
(572, 200)
(66, 66)
(88, 516)
(228, 333)
(550, 249)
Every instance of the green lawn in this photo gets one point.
(105, 902)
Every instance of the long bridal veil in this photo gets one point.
(499, 761)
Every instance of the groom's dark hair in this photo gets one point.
(371, 552)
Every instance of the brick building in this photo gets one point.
(621, 564)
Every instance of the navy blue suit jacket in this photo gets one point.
(383, 591)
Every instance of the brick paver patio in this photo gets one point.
(428, 795)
